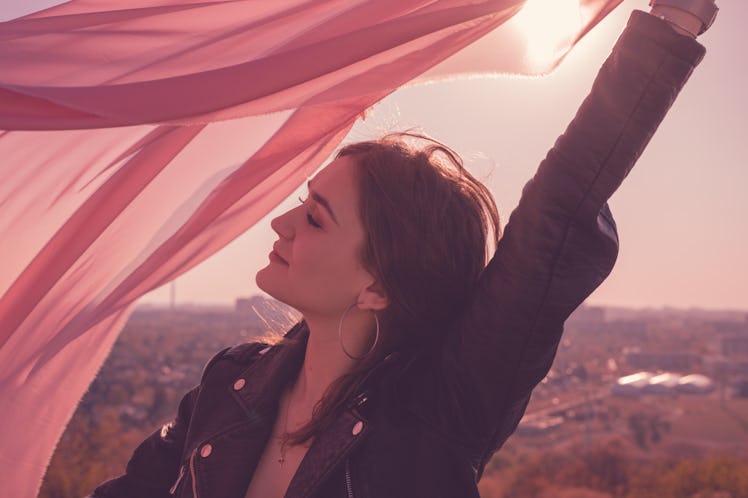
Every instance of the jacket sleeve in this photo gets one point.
(559, 244)
(155, 464)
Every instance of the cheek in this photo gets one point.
(332, 267)
(329, 263)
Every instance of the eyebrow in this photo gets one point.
(322, 201)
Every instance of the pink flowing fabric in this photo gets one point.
(141, 136)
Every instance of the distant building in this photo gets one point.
(667, 383)
(631, 385)
(587, 318)
(664, 383)
(695, 384)
(676, 360)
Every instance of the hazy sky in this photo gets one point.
(681, 214)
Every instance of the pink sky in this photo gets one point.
(681, 214)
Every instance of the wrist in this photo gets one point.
(680, 21)
(687, 17)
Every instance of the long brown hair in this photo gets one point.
(430, 229)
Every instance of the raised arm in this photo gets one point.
(558, 246)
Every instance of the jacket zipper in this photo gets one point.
(348, 485)
(173, 489)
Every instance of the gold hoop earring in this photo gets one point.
(340, 335)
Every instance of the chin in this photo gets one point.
(262, 280)
(269, 285)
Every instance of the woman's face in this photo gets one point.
(315, 265)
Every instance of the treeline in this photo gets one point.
(90, 453)
(610, 471)
(158, 357)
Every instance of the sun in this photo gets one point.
(548, 26)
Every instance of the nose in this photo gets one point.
(283, 224)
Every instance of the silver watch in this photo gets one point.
(706, 10)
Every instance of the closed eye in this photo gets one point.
(309, 218)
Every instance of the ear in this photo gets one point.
(372, 297)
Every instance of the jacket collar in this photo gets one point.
(327, 452)
(266, 377)
(276, 366)
(263, 382)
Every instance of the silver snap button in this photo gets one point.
(357, 428)
(263, 351)
(239, 384)
(206, 450)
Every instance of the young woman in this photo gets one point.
(414, 360)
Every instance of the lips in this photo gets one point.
(275, 255)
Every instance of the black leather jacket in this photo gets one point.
(425, 426)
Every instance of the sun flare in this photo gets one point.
(547, 25)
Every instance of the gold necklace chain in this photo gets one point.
(284, 437)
